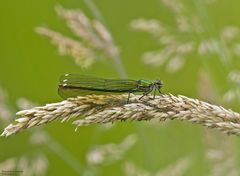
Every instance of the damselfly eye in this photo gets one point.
(159, 82)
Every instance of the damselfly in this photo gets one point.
(73, 85)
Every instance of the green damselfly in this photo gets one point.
(73, 85)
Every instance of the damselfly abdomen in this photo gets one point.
(73, 85)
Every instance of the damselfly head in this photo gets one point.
(158, 83)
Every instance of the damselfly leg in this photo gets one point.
(128, 96)
(154, 92)
(146, 93)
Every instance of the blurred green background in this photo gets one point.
(31, 66)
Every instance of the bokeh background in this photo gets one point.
(192, 45)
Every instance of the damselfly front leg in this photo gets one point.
(154, 92)
(159, 90)
(146, 92)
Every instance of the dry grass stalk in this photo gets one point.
(94, 39)
(233, 93)
(176, 42)
(111, 152)
(176, 168)
(91, 31)
(5, 111)
(66, 46)
(221, 155)
(111, 108)
(37, 165)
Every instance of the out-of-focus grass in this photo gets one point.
(31, 66)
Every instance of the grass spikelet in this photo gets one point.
(93, 109)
